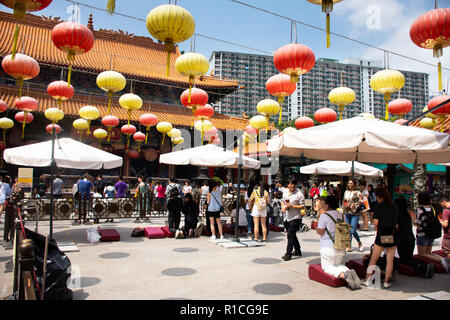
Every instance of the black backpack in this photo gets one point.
(434, 227)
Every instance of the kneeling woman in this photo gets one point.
(332, 259)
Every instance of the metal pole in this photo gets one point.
(424, 113)
(52, 174)
(238, 193)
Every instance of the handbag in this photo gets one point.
(221, 209)
(386, 237)
(261, 204)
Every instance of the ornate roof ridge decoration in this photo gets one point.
(51, 19)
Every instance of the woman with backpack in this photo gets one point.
(428, 229)
(386, 223)
(259, 200)
(248, 212)
(332, 259)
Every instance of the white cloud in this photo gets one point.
(396, 20)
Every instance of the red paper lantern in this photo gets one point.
(27, 104)
(304, 122)
(60, 90)
(3, 106)
(110, 122)
(211, 135)
(139, 137)
(325, 115)
(22, 67)
(280, 86)
(251, 131)
(148, 120)
(20, 117)
(73, 38)
(50, 126)
(199, 98)
(432, 31)
(128, 129)
(400, 107)
(133, 154)
(443, 111)
(205, 112)
(294, 59)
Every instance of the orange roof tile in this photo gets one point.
(446, 124)
(178, 116)
(134, 56)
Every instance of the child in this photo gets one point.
(174, 206)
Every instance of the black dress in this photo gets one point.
(387, 216)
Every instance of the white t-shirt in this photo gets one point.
(205, 190)
(296, 198)
(242, 216)
(187, 189)
(326, 222)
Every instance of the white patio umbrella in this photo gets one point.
(365, 140)
(69, 153)
(341, 168)
(208, 156)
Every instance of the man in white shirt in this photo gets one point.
(293, 203)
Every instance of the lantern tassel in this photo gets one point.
(440, 76)
(128, 141)
(387, 96)
(20, 84)
(14, 47)
(23, 123)
(341, 109)
(111, 6)
(202, 134)
(4, 135)
(88, 129)
(164, 135)
(280, 101)
(69, 75)
(110, 95)
(191, 83)
(146, 134)
(139, 146)
(328, 30)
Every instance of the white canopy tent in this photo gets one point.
(69, 153)
(208, 156)
(365, 140)
(341, 168)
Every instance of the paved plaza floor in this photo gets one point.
(195, 268)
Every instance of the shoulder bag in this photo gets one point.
(221, 206)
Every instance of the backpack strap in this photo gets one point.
(335, 222)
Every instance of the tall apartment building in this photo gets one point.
(252, 71)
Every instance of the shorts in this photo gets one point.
(213, 214)
(424, 241)
(446, 246)
(258, 213)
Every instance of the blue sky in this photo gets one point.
(384, 23)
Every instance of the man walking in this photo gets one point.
(84, 188)
(57, 187)
(294, 202)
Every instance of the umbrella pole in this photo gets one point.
(238, 193)
(52, 174)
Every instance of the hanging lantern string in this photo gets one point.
(293, 28)
(246, 47)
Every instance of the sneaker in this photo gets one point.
(387, 285)
(445, 264)
(222, 237)
(348, 277)
(429, 271)
(365, 283)
(213, 237)
(349, 250)
(356, 279)
(297, 253)
(286, 257)
(361, 248)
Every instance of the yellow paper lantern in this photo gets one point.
(289, 129)
(80, 125)
(54, 114)
(5, 124)
(111, 82)
(341, 96)
(100, 134)
(268, 108)
(327, 7)
(170, 24)
(431, 116)
(259, 122)
(130, 102)
(174, 133)
(164, 127)
(203, 126)
(192, 65)
(428, 123)
(178, 140)
(387, 82)
(89, 113)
